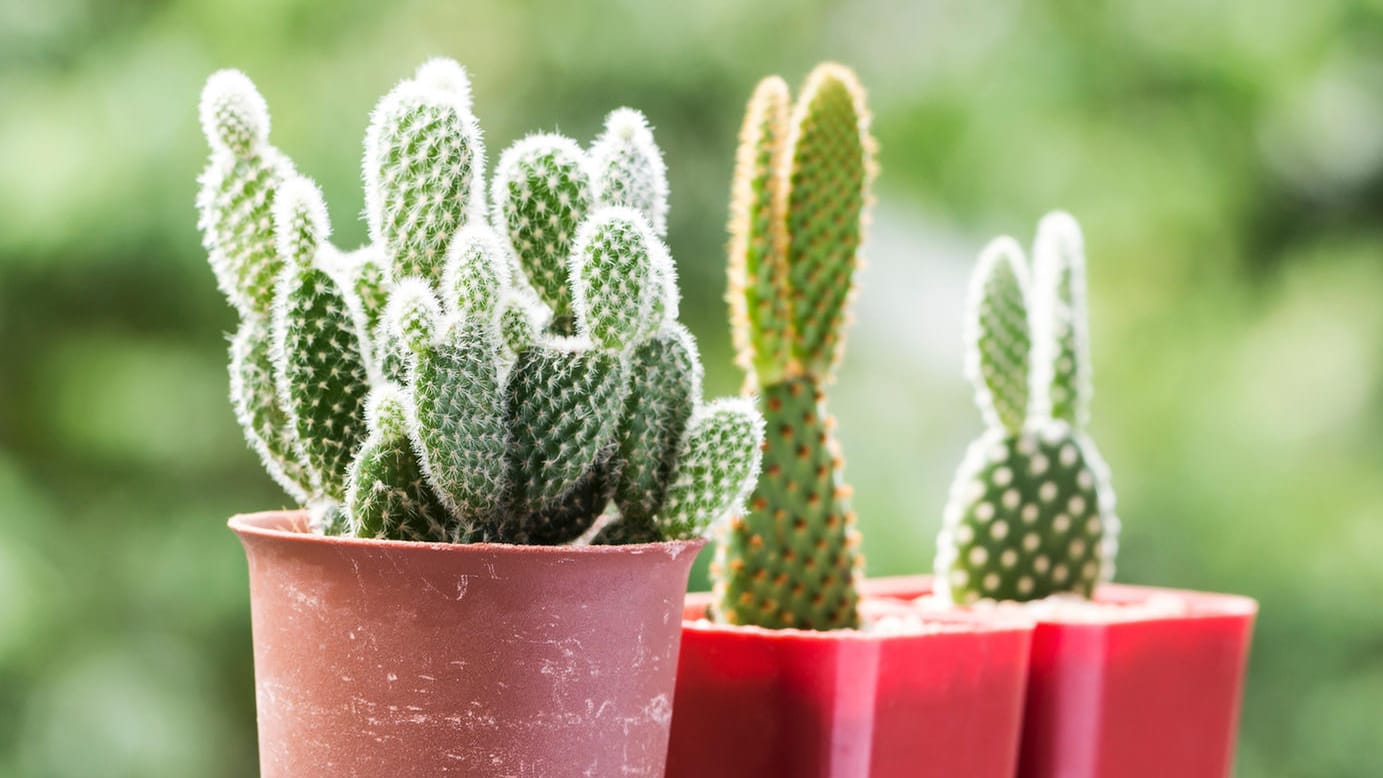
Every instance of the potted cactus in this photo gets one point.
(783, 665)
(1124, 681)
(494, 422)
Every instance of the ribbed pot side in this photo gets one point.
(383, 658)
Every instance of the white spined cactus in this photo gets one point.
(628, 168)
(466, 378)
(1031, 511)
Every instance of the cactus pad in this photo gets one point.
(629, 169)
(542, 191)
(423, 155)
(793, 558)
(388, 497)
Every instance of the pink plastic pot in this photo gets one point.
(1131, 697)
(382, 658)
(849, 704)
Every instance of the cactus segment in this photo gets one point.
(628, 169)
(387, 496)
(759, 292)
(368, 272)
(542, 192)
(998, 336)
(236, 193)
(459, 424)
(793, 558)
(1031, 511)
(564, 401)
(619, 292)
(830, 163)
(665, 384)
(413, 315)
(423, 156)
(320, 373)
(234, 116)
(257, 408)
(717, 464)
(1061, 344)
(522, 318)
(475, 273)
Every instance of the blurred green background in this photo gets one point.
(1225, 158)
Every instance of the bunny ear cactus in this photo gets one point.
(1031, 511)
(800, 190)
(454, 382)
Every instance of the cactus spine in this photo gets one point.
(799, 195)
(461, 380)
(1031, 511)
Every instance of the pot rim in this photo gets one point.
(291, 526)
(1200, 605)
(960, 623)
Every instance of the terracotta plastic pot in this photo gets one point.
(1134, 696)
(382, 658)
(945, 701)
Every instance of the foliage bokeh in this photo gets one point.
(1224, 157)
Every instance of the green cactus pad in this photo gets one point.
(998, 327)
(320, 371)
(263, 420)
(617, 271)
(665, 385)
(759, 293)
(564, 402)
(423, 155)
(1061, 349)
(475, 273)
(830, 157)
(236, 194)
(458, 424)
(368, 271)
(717, 463)
(522, 318)
(1025, 519)
(541, 193)
(792, 559)
(388, 496)
(629, 169)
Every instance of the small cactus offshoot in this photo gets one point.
(1031, 512)
(799, 195)
(458, 379)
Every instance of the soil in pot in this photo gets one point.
(907, 696)
(384, 658)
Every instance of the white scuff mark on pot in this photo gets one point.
(391, 677)
(659, 709)
(426, 677)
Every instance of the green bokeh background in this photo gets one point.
(1225, 158)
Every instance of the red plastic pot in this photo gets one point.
(849, 704)
(1131, 697)
(382, 658)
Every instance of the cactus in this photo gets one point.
(801, 186)
(455, 382)
(1031, 511)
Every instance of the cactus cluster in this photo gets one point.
(1031, 511)
(501, 363)
(799, 196)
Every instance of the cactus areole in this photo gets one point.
(500, 369)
